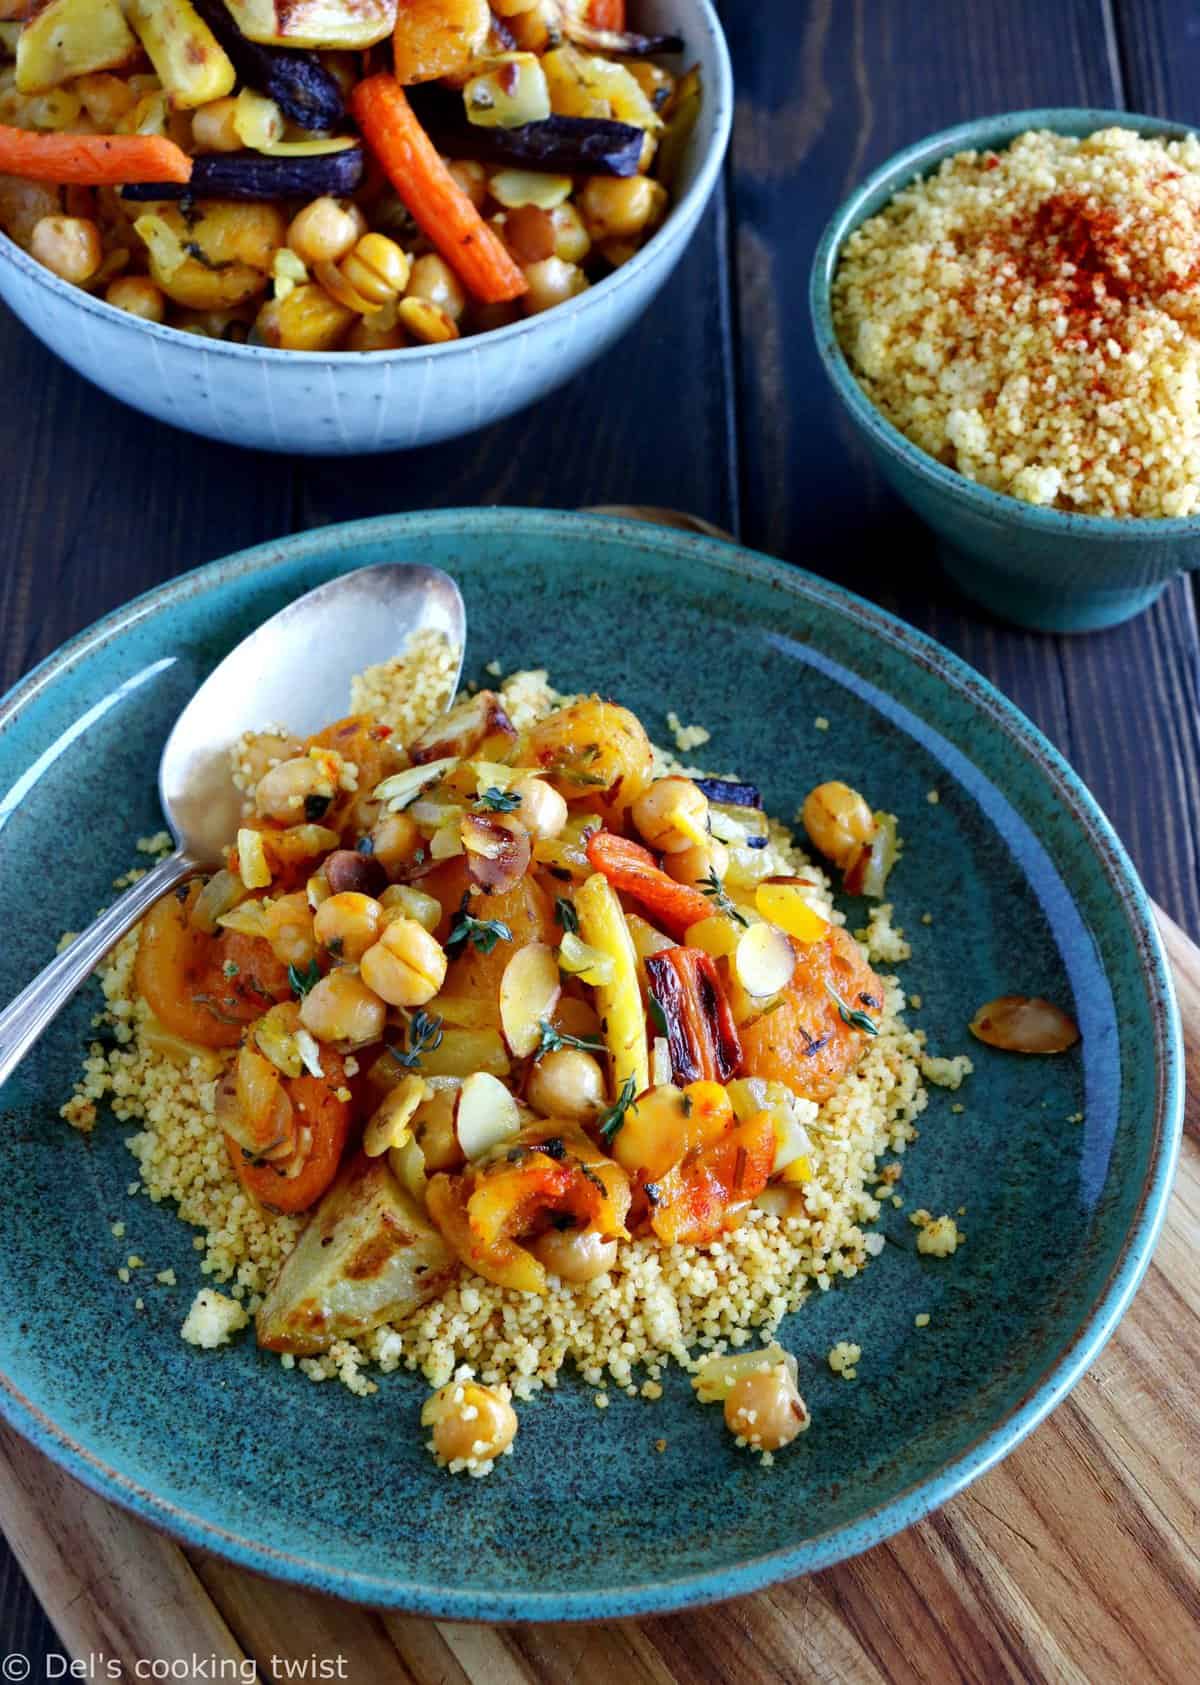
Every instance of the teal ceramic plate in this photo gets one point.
(1028, 891)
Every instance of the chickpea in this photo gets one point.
(372, 274)
(621, 206)
(139, 296)
(575, 1255)
(572, 241)
(838, 821)
(427, 323)
(406, 966)
(543, 810)
(552, 282)
(472, 178)
(567, 1083)
(699, 862)
(69, 246)
(765, 1408)
(213, 126)
(342, 1008)
(284, 791)
(395, 839)
(471, 1423)
(288, 927)
(528, 232)
(363, 338)
(306, 320)
(672, 815)
(434, 280)
(325, 230)
(348, 923)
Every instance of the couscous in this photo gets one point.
(503, 1041)
(1030, 317)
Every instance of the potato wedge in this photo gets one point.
(72, 38)
(346, 24)
(368, 1253)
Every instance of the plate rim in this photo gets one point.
(668, 1594)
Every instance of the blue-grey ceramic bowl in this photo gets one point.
(1044, 568)
(342, 403)
(1028, 890)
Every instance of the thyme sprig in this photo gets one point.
(611, 1121)
(715, 891)
(851, 1015)
(424, 1036)
(482, 933)
(552, 1040)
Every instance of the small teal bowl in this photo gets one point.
(1063, 1165)
(1043, 568)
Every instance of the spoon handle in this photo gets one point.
(24, 1019)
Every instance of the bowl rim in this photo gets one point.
(678, 227)
(1063, 1369)
(918, 159)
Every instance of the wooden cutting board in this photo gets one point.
(1078, 1559)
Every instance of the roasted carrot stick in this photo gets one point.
(701, 1032)
(630, 868)
(438, 204)
(607, 14)
(91, 160)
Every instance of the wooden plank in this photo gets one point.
(99, 504)
(1076, 1560)
(821, 104)
(649, 423)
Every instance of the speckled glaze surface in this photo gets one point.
(342, 403)
(1028, 890)
(1043, 568)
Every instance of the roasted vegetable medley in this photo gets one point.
(323, 175)
(497, 1001)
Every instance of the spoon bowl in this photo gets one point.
(297, 667)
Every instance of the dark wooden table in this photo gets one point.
(715, 403)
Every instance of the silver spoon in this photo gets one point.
(296, 668)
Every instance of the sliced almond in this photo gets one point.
(529, 991)
(764, 960)
(1021, 1024)
(389, 1124)
(660, 1062)
(487, 1115)
(404, 787)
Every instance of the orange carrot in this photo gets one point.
(607, 14)
(438, 204)
(91, 160)
(631, 868)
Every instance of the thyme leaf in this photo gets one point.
(424, 1036)
(611, 1121)
(566, 916)
(497, 801)
(552, 1040)
(303, 981)
(482, 933)
(851, 1015)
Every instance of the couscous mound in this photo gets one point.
(656, 1301)
(1029, 317)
